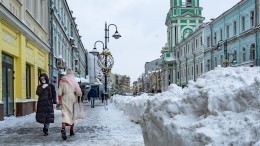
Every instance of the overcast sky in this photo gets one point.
(141, 24)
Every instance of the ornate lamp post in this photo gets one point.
(105, 58)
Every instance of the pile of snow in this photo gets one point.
(221, 108)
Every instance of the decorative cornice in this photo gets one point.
(13, 21)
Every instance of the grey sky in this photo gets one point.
(141, 24)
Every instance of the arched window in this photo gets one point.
(252, 51)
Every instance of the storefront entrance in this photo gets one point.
(7, 85)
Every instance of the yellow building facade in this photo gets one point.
(24, 56)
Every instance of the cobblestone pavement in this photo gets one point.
(100, 127)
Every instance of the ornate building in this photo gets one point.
(193, 48)
(67, 49)
(181, 21)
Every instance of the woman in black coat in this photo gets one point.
(47, 97)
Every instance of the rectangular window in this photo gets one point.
(201, 41)
(221, 34)
(215, 38)
(208, 42)
(235, 27)
(208, 64)
(192, 71)
(221, 59)
(178, 74)
(252, 18)
(216, 61)
(201, 68)
(243, 23)
(227, 31)
(28, 81)
(244, 54)
(197, 69)
(196, 43)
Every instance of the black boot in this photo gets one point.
(45, 131)
(63, 134)
(72, 132)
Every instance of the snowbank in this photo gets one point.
(220, 108)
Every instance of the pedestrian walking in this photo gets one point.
(70, 91)
(92, 94)
(104, 97)
(47, 97)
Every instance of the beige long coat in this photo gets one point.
(68, 99)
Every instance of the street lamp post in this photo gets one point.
(226, 53)
(105, 58)
(225, 50)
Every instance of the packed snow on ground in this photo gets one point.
(221, 108)
(100, 127)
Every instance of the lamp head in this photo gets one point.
(234, 61)
(116, 35)
(94, 52)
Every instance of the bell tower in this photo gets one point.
(182, 19)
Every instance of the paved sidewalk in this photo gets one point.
(101, 127)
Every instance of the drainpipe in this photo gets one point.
(256, 34)
(180, 71)
(211, 47)
(51, 43)
(186, 70)
(194, 76)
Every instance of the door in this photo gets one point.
(7, 85)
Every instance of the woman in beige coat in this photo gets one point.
(69, 91)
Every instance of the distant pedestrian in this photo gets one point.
(83, 92)
(47, 97)
(104, 97)
(70, 91)
(92, 94)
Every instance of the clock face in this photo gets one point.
(186, 33)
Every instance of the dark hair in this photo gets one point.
(45, 76)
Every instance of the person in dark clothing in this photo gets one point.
(92, 95)
(83, 93)
(104, 97)
(47, 97)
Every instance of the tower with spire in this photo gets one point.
(182, 19)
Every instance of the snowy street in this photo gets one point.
(100, 127)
